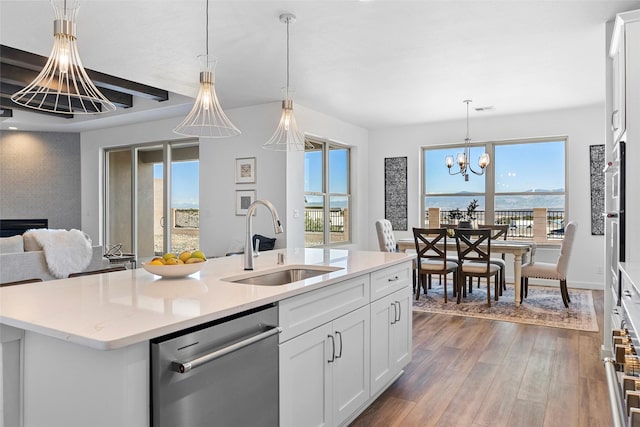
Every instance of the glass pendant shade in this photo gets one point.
(207, 119)
(63, 85)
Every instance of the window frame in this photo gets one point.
(326, 195)
(489, 175)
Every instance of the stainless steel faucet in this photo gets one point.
(248, 247)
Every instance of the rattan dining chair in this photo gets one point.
(432, 259)
(551, 271)
(474, 253)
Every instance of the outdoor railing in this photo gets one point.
(521, 222)
(314, 220)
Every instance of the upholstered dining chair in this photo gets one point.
(474, 254)
(552, 271)
(387, 241)
(432, 259)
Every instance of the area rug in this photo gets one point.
(543, 306)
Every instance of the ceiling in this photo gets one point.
(372, 63)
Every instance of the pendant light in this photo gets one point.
(463, 157)
(63, 85)
(206, 119)
(287, 136)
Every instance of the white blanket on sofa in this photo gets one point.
(66, 251)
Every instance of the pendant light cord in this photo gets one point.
(288, 20)
(207, 41)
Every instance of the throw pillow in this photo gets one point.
(11, 245)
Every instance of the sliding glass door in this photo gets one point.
(162, 213)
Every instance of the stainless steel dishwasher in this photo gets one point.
(224, 373)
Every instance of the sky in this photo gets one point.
(185, 189)
(517, 167)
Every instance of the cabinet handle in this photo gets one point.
(393, 279)
(395, 313)
(613, 115)
(399, 311)
(338, 333)
(333, 346)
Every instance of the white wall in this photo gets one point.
(583, 126)
(279, 175)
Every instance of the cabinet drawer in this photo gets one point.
(390, 279)
(305, 312)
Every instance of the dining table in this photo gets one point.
(522, 251)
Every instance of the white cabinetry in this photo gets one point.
(622, 142)
(391, 341)
(390, 324)
(332, 340)
(325, 372)
(618, 117)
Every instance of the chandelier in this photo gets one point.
(287, 136)
(206, 119)
(63, 85)
(463, 157)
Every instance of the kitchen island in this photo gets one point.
(76, 351)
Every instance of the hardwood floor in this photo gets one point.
(477, 372)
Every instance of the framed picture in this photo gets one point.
(244, 198)
(246, 170)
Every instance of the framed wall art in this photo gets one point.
(246, 170)
(244, 198)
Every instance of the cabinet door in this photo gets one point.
(391, 338)
(305, 379)
(351, 364)
(401, 331)
(618, 113)
(381, 367)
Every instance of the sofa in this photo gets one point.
(22, 259)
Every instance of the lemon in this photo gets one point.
(169, 256)
(171, 261)
(198, 254)
(184, 256)
(156, 262)
(159, 259)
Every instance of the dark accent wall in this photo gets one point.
(40, 177)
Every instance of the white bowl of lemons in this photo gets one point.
(172, 265)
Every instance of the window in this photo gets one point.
(139, 180)
(523, 175)
(326, 194)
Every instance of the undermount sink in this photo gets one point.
(290, 274)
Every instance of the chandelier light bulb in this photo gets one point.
(449, 161)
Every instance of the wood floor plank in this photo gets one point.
(487, 373)
(535, 382)
(563, 405)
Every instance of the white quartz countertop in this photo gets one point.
(114, 310)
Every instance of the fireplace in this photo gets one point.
(15, 227)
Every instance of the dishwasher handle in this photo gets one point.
(184, 367)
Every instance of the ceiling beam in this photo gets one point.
(106, 82)
(7, 104)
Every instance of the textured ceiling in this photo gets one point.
(375, 64)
